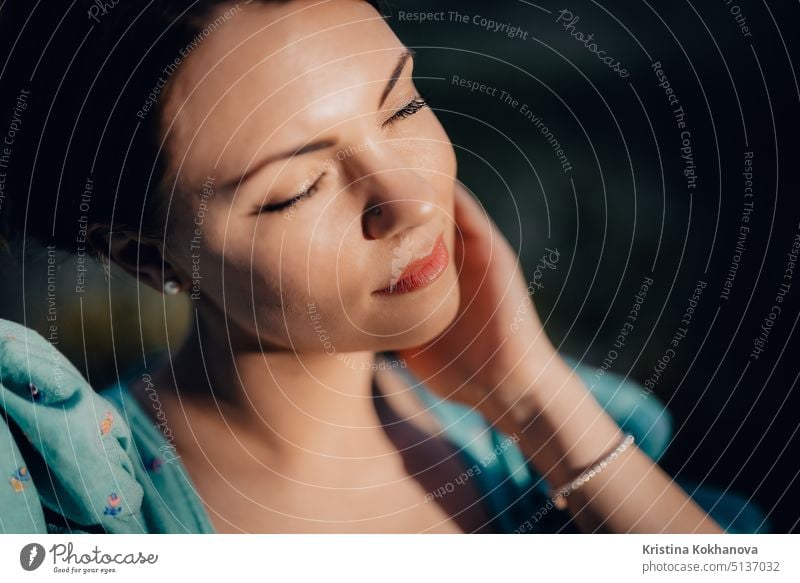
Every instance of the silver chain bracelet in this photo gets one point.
(558, 496)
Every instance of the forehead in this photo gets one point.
(280, 72)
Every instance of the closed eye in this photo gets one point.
(277, 206)
(404, 112)
(409, 109)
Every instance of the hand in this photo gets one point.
(495, 352)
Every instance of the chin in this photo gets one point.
(415, 323)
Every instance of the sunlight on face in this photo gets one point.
(285, 128)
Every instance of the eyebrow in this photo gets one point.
(322, 144)
(398, 68)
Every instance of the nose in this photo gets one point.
(398, 198)
(395, 215)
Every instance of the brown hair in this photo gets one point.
(81, 92)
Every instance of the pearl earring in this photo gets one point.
(171, 287)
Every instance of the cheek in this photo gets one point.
(442, 152)
(433, 154)
(299, 262)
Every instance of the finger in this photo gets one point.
(476, 227)
(470, 217)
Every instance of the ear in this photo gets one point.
(140, 256)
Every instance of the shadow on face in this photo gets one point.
(308, 174)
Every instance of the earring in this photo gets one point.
(172, 287)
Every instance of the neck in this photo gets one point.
(292, 404)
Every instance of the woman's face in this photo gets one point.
(330, 83)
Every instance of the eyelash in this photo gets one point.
(409, 109)
(278, 206)
(404, 112)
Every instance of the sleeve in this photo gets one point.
(65, 452)
(20, 508)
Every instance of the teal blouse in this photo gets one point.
(73, 460)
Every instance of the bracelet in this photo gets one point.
(558, 496)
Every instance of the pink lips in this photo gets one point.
(421, 272)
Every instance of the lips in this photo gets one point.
(421, 272)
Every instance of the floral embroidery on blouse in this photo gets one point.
(114, 503)
(36, 393)
(155, 464)
(105, 424)
(19, 477)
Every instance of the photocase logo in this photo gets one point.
(31, 556)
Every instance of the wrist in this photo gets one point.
(561, 426)
(527, 393)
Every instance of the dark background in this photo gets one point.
(622, 214)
